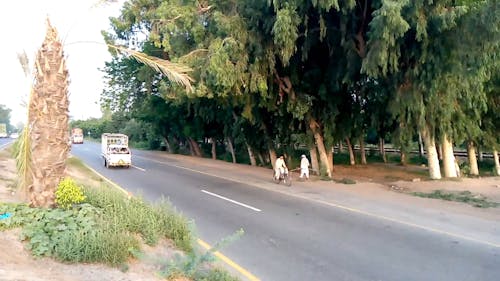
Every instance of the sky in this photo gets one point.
(77, 21)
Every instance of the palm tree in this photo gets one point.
(48, 121)
(43, 147)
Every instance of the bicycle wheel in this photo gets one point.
(287, 180)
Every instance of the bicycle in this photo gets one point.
(284, 177)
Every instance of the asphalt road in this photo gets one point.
(288, 238)
(4, 142)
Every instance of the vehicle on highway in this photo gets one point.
(14, 135)
(115, 151)
(76, 135)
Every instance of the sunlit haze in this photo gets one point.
(79, 23)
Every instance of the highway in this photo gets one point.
(289, 238)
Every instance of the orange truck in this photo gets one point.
(76, 135)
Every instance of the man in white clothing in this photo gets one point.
(304, 167)
(279, 167)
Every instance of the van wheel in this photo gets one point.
(105, 163)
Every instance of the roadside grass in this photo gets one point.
(109, 227)
(345, 181)
(476, 200)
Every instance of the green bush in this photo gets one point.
(68, 193)
(134, 215)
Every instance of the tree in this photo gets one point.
(48, 121)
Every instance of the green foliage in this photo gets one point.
(216, 275)
(103, 231)
(285, 31)
(68, 194)
(468, 197)
(194, 263)
(133, 215)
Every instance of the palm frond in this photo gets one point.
(22, 154)
(24, 61)
(176, 73)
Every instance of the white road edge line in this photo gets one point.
(231, 200)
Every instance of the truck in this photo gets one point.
(3, 130)
(76, 135)
(115, 151)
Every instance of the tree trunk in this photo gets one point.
(403, 157)
(362, 151)
(272, 155)
(231, 149)
(167, 145)
(449, 168)
(330, 159)
(194, 147)
(341, 147)
(381, 149)
(314, 159)
(352, 159)
(251, 155)
(440, 152)
(481, 154)
(48, 122)
(420, 145)
(471, 153)
(322, 153)
(214, 148)
(261, 158)
(432, 156)
(497, 163)
(323, 157)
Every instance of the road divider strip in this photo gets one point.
(230, 200)
(202, 243)
(229, 262)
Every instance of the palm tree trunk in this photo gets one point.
(449, 167)
(471, 153)
(432, 155)
(48, 121)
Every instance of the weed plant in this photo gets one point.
(468, 197)
(152, 222)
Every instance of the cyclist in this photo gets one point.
(280, 167)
